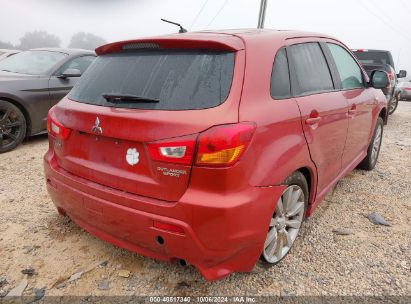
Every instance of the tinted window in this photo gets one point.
(373, 57)
(79, 63)
(312, 72)
(280, 77)
(31, 62)
(179, 79)
(349, 71)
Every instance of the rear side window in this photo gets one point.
(311, 69)
(349, 71)
(177, 79)
(280, 77)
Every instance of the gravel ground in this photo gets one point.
(375, 260)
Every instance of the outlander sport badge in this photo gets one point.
(96, 128)
(132, 156)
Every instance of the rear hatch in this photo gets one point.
(139, 94)
(372, 67)
(374, 60)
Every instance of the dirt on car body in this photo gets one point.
(370, 260)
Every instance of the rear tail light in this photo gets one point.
(178, 151)
(391, 77)
(55, 128)
(220, 145)
(223, 145)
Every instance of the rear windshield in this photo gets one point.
(373, 57)
(176, 79)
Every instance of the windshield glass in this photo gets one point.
(175, 79)
(31, 62)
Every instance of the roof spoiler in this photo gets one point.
(203, 41)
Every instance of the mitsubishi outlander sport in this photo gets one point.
(211, 147)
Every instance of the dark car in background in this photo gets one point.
(4, 53)
(373, 60)
(31, 82)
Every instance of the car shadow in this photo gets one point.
(35, 139)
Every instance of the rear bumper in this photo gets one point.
(223, 233)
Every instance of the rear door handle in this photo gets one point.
(312, 120)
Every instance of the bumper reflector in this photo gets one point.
(168, 227)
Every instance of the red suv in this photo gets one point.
(212, 147)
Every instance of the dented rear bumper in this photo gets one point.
(221, 233)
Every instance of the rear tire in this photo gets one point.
(12, 126)
(286, 221)
(373, 151)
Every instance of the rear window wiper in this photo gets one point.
(114, 98)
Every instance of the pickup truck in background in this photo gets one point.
(382, 60)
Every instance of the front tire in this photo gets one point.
(286, 220)
(393, 105)
(12, 126)
(373, 151)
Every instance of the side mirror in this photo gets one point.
(379, 79)
(402, 74)
(70, 73)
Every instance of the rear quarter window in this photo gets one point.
(280, 87)
(178, 79)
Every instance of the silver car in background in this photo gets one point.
(4, 53)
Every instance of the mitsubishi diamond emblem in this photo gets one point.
(96, 128)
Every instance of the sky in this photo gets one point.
(366, 24)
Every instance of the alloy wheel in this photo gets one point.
(10, 127)
(393, 105)
(285, 224)
(376, 144)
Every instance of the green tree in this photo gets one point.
(38, 39)
(86, 41)
(6, 45)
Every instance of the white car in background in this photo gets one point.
(4, 53)
(404, 90)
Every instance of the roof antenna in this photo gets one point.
(182, 29)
